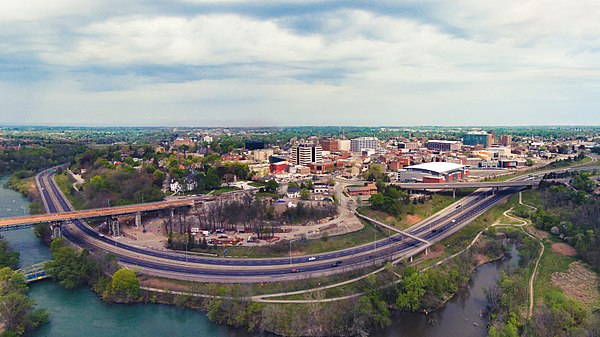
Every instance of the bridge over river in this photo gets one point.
(35, 272)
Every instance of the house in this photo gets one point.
(174, 186)
(293, 193)
(320, 188)
(367, 189)
(190, 182)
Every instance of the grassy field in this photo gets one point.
(413, 213)
(65, 185)
(225, 190)
(250, 289)
(458, 241)
(365, 235)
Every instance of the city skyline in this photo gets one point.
(256, 63)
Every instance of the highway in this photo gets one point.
(175, 265)
(482, 184)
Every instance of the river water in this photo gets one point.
(80, 313)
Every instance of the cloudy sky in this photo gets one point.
(288, 62)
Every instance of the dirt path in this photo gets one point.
(537, 262)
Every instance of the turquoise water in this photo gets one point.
(79, 312)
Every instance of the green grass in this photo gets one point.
(65, 185)
(458, 241)
(418, 212)
(257, 184)
(250, 289)
(549, 264)
(225, 190)
(316, 246)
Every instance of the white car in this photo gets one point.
(312, 258)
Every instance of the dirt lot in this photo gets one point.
(162, 284)
(412, 219)
(563, 249)
(538, 233)
(578, 283)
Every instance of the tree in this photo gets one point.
(377, 201)
(17, 313)
(272, 186)
(412, 289)
(374, 172)
(8, 257)
(125, 284)
(69, 267)
(304, 194)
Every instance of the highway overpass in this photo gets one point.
(478, 184)
(94, 213)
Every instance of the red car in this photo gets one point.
(295, 270)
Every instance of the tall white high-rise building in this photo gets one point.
(303, 154)
(360, 143)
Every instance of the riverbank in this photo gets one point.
(368, 312)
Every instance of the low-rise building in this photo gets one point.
(443, 145)
(433, 172)
(293, 193)
(367, 189)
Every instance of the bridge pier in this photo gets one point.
(454, 193)
(56, 230)
(114, 227)
(426, 251)
(138, 219)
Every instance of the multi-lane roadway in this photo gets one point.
(185, 266)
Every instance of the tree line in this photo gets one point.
(18, 314)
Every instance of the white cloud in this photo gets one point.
(359, 63)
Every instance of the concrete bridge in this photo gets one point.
(30, 220)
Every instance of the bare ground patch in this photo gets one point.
(162, 284)
(412, 219)
(578, 283)
(563, 249)
(538, 233)
(435, 252)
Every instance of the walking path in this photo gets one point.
(268, 298)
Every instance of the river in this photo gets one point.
(78, 312)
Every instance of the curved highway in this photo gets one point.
(253, 270)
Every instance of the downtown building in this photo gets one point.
(303, 154)
(478, 138)
(363, 143)
(443, 145)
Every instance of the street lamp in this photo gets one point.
(290, 252)
(374, 240)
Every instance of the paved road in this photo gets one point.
(176, 265)
(482, 184)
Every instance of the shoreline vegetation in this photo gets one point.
(18, 314)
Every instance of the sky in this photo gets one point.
(287, 62)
